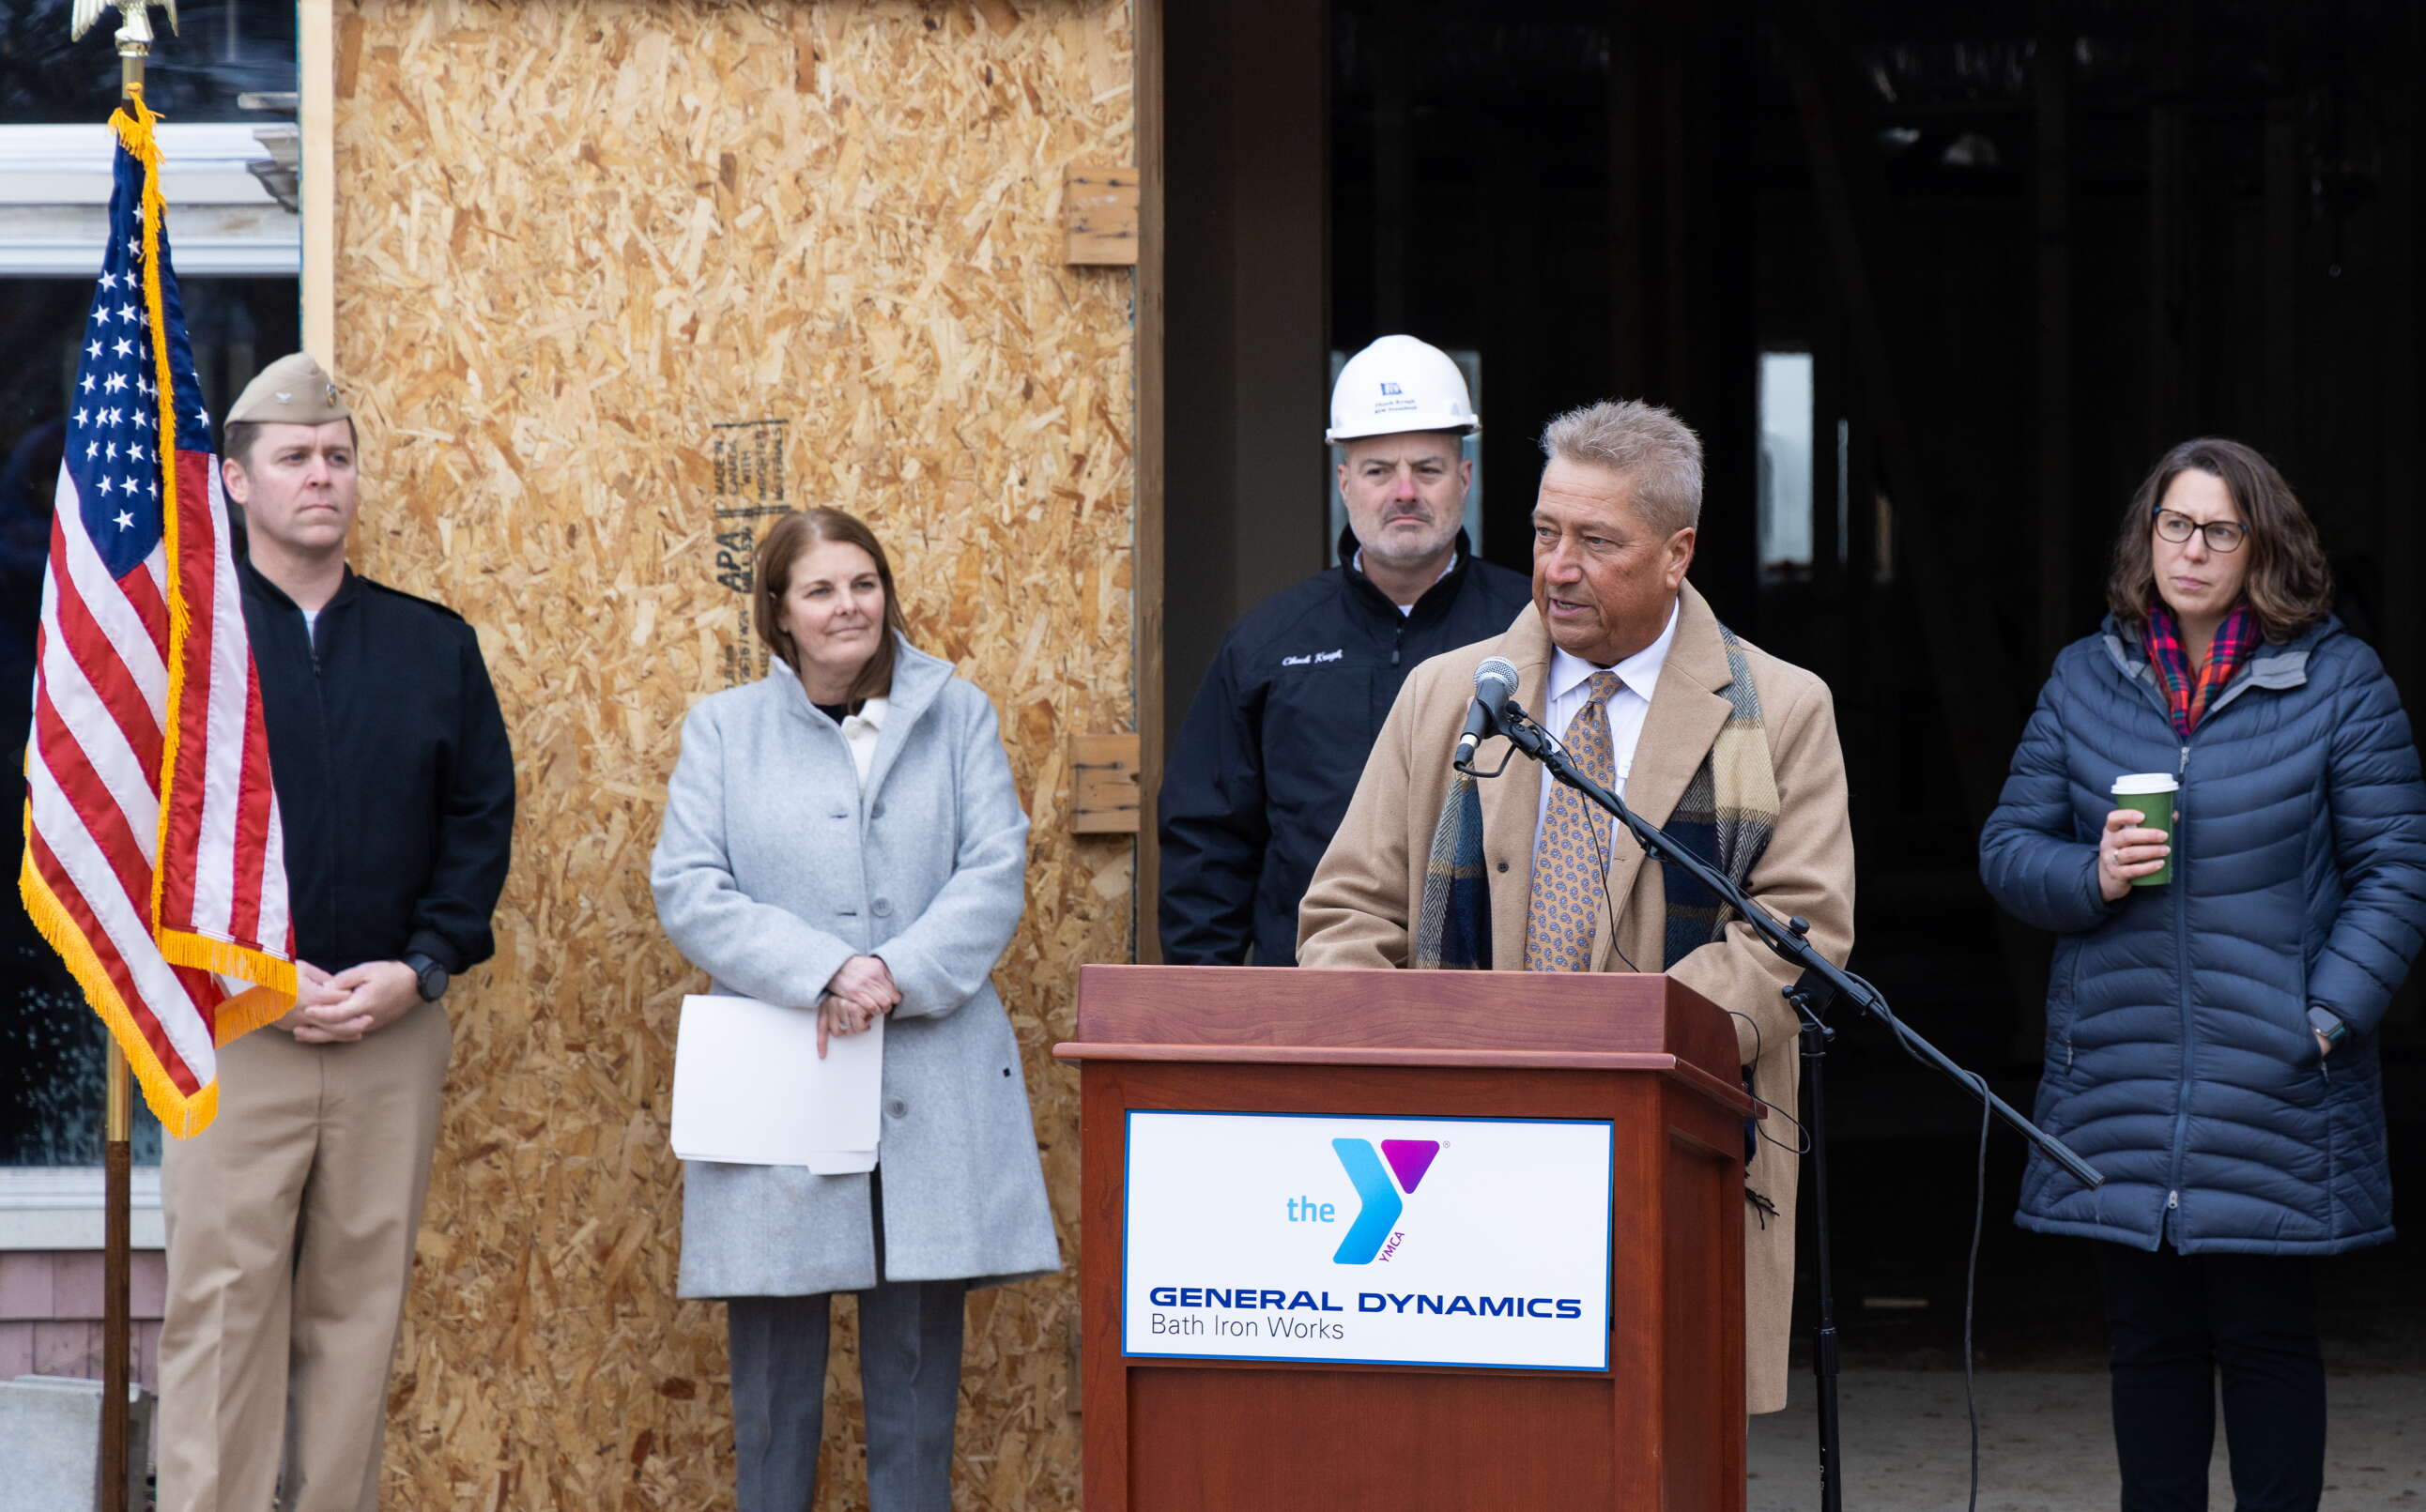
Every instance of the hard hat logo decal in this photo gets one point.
(1400, 384)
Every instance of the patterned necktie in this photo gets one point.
(1567, 856)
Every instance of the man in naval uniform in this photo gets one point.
(291, 1219)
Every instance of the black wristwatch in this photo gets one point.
(428, 977)
(2328, 1023)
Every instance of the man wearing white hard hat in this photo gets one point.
(1269, 754)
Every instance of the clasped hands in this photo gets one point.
(859, 993)
(340, 1008)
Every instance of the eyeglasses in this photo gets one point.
(2222, 535)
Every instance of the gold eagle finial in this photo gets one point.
(133, 30)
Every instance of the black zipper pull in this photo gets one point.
(1397, 640)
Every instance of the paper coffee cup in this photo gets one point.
(2152, 794)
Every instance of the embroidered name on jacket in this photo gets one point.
(1316, 659)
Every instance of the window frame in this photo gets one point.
(54, 206)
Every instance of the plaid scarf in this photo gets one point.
(1453, 922)
(2186, 696)
(1727, 815)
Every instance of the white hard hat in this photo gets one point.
(1400, 384)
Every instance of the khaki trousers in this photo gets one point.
(291, 1222)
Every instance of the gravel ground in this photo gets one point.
(2045, 1444)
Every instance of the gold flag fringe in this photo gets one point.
(183, 1115)
(133, 125)
(180, 946)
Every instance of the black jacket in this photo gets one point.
(396, 786)
(1263, 769)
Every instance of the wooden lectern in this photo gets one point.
(1661, 1426)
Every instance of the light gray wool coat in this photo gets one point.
(773, 868)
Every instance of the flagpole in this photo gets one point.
(117, 1274)
(118, 1195)
(118, 1183)
(117, 1267)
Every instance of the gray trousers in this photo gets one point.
(910, 1379)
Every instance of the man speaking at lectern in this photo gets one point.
(1729, 750)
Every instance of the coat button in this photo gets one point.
(898, 1109)
(881, 908)
(1503, 866)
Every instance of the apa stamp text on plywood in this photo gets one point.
(748, 494)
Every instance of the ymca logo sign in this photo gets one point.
(1381, 1203)
(1506, 1265)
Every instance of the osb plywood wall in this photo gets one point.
(615, 277)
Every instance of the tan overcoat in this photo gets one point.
(1357, 912)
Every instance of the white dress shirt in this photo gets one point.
(860, 733)
(1640, 675)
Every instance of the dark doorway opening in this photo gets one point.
(1936, 285)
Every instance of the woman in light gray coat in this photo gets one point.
(843, 837)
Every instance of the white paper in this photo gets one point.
(750, 1089)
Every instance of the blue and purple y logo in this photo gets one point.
(1378, 1216)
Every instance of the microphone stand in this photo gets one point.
(1820, 984)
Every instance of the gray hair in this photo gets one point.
(1649, 444)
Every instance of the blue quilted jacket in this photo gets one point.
(2179, 1060)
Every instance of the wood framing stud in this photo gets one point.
(1105, 773)
(1099, 206)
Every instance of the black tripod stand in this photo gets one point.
(1820, 984)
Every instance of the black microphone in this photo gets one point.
(1495, 682)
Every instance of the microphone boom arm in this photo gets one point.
(1821, 979)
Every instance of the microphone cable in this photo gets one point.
(1979, 1085)
(1801, 1144)
(1971, 1281)
(1600, 845)
(1600, 833)
(1803, 1135)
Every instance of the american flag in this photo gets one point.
(154, 862)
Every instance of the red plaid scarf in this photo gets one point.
(2186, 695)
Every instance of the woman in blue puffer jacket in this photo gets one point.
(2211, 1041)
